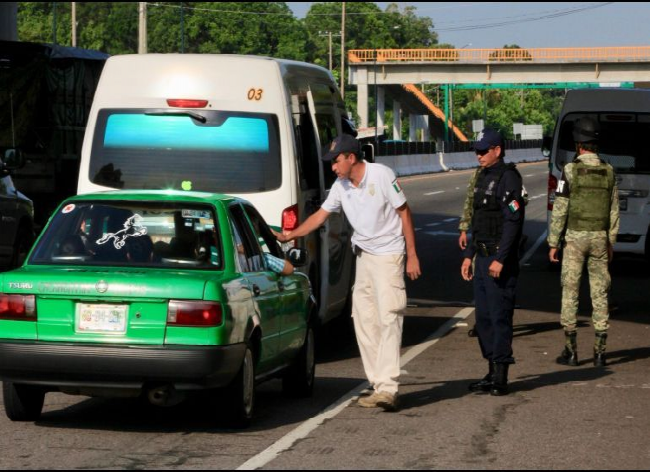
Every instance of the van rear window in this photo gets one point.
(622, 141)
(212, 151)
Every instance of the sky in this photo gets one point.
(482, 25)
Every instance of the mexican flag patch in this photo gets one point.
(514, 206)
(397, 186)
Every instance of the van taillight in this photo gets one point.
(185, 313)
(290, 218)
(185, 103)
(552, 186)
(17, 307)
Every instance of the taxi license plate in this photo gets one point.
(104, 319)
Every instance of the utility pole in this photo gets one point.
(74, 24)
(329, 34)
(182, 29)
(343, 49)
(142, 28)
(54, 23)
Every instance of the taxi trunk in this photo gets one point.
(126, 306)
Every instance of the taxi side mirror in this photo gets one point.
(297, 256)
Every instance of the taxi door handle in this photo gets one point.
(256, 290)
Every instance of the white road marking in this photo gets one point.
(441, 233)
(532, 250)
(302, 431)
(432, 225)
(434, 193)
(541, 195)
(450, 220)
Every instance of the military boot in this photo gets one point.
(500, 383)
(570, 354)
(600, 345)
(484, 385)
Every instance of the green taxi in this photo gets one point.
(156, 294)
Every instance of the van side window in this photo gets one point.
(327, 131)
(308, 152)
(327, 122)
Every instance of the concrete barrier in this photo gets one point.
(412, 164)
(433, 163)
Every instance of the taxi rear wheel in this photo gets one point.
(241, 393)
(22, 402)
(299, 379)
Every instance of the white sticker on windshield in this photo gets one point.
(132, 229)
(196, 214)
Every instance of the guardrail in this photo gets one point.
(482, 56)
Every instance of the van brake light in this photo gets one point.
(552, 186)
(290, 218)
(186, 103)
(17, 307)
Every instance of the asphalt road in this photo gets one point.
(555, 418)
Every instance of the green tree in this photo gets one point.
(261, 28)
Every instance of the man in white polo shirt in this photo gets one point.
(376, 207)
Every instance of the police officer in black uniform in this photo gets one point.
(497, 225)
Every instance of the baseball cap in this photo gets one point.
(341, 144)
(488, 138)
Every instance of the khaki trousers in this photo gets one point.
(378, 302)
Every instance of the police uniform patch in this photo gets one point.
(514, 206)
(397, 186)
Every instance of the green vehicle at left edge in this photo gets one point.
(156, 294)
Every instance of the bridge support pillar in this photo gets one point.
(381, 110)
(397, 120)
(362, 98)
(414, 124)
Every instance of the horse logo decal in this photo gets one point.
(132, 229)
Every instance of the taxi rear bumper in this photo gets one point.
(75, 365)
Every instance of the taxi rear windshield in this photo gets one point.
(622, 142)
(161, 235)
(211, 151)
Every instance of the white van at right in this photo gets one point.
(624, 117)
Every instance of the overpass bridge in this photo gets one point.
(393, 70)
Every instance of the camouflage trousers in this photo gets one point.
(594, 251)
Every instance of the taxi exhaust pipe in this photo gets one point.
(164, 396)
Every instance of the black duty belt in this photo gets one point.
(487, 249)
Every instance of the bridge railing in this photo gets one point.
(404, 148)
(473, 56)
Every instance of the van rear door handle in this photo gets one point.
(256, 290)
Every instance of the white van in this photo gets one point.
(624, 116)
(247, 126)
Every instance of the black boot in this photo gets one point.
(570, 354)
(500, 384)
(600, 345)
(484, 385)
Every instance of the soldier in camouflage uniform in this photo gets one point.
(466, 221)
(468, 210)
(587, 208)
